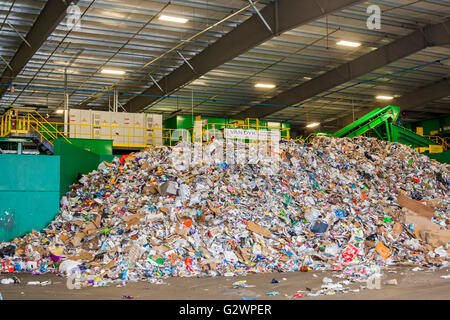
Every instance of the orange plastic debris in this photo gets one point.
(383, 250)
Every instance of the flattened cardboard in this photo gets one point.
(413, 205)
(258, 229)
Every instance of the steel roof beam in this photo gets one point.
(407, 102)
(47, 21)
(247, 35)
(430, 35)
(435, 91)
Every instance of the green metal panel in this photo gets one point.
(430, 127)
(184, 122)
(98, 146)
(74, 160)
(29, 210)
(107, 157)
(443, 157)
(28, 172)
(170, 123)
(29, 191)
(409, 126)
(403, 135)
(446, 125)
(49, 132)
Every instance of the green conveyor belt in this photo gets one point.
(369, 121)
(384, 118)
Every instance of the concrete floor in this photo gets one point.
(411, 285)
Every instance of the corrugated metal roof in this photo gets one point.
(126, 35)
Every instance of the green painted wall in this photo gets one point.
(185, 122)
(107, 157)
(31, 186)
(443, 157)
(74, 160)
(446, 125)
(170, 123)
(431, 126)
(29, 191)
(51, 128)
(98, 146)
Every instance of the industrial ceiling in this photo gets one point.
(209, 63)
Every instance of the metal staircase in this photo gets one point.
(30, 124)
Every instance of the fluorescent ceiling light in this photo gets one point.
(173, 19)
(348, 43)
(112, 14)
(111, 71)
(59, 111)
(265, 85)
(312, 125)
(307, 78)
(60, 62)
(199, 82)
(385, 97)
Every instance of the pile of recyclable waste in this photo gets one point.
(332, 204)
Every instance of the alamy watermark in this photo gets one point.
(74, 279)
(374, 20)
(232, 147)
(73, 21)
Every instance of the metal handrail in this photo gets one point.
(444, 142)
(25, 122)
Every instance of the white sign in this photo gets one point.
(241, 134)
(269, 135)
(252, 134)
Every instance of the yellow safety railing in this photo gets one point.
(442, 141)
(5, 124)
(284, 132)
(142, 137)
(122, 136)
(23, 120)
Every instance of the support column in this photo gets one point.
(66, 114)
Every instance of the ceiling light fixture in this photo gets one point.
(59, 111)
(312, 125)
(112, 71)
(265, 85)
(385, 97)
(348, 43)
(173, 19)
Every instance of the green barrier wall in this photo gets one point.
(29, 191)
(74, 160)
(185, 122)
(31, 186)
(432, 126)
(107, 157)
(443, 157)
(51, 128)
(98, 146)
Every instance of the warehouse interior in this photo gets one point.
(84, 83)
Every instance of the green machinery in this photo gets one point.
(381, 123)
